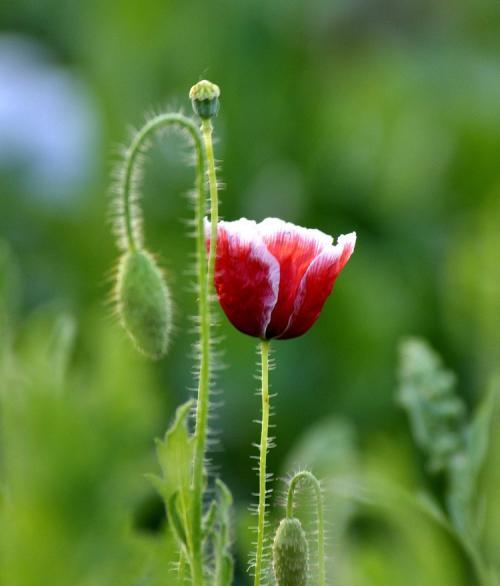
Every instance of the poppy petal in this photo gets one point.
(295, 248)
(317, 285)
(247, 276)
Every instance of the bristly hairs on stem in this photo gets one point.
(137, 287)
(205, 101)
(260, 561)
(126, 212)
(308, 478)
(142, 295)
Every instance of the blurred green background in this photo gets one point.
(381, 117)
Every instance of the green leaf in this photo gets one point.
(478, 435)
(225, 496)
(175, 521)
(226, 576)
(428, 394)
(159, 484)
(209, 519)
(175, 455)
(223, 560)
(431, 507)
(465, 469)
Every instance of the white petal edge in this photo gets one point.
(329, 256)
(271, 227)
(249, 231)
(243, 231)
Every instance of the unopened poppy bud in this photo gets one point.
(204, 97)
(144, 303)
(290, 554)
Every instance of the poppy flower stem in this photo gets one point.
(261, 511)
(205, 279)
(206, 128)
(309, 478)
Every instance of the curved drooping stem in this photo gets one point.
(261, 511)
(308, 477)
(129, 223)
(132, 234)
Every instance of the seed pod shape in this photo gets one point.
(144, 303)
(290, 554)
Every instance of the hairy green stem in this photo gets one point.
(314, 482)
(132, 233)
(133, 239)
(214, 200)
(261, 512)
(205, 279)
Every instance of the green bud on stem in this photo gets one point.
(144, 303)
(204, 97)
(290, 554)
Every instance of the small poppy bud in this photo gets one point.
(205, 99)
(144, 303)
(290, 554)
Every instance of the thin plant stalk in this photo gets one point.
(131, 226)
(261, 511)
(314, 482)
(205, 279)
(133, 240)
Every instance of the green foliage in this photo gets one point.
(143, 302)
(454, 446)
(290, 554)
(391, 539)
(224, 564)
(71, 452)
(175, 455)
(437, 414)
(385, 121)
(465, 500)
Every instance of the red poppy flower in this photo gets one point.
(273, 278)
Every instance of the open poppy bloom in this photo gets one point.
(273, 278)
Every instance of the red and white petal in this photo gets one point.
(346, 242)
(247, 276)
(295, 248)
(317, 285)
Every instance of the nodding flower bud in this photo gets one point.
(144, 303)
(290, 554)
(205, 99)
